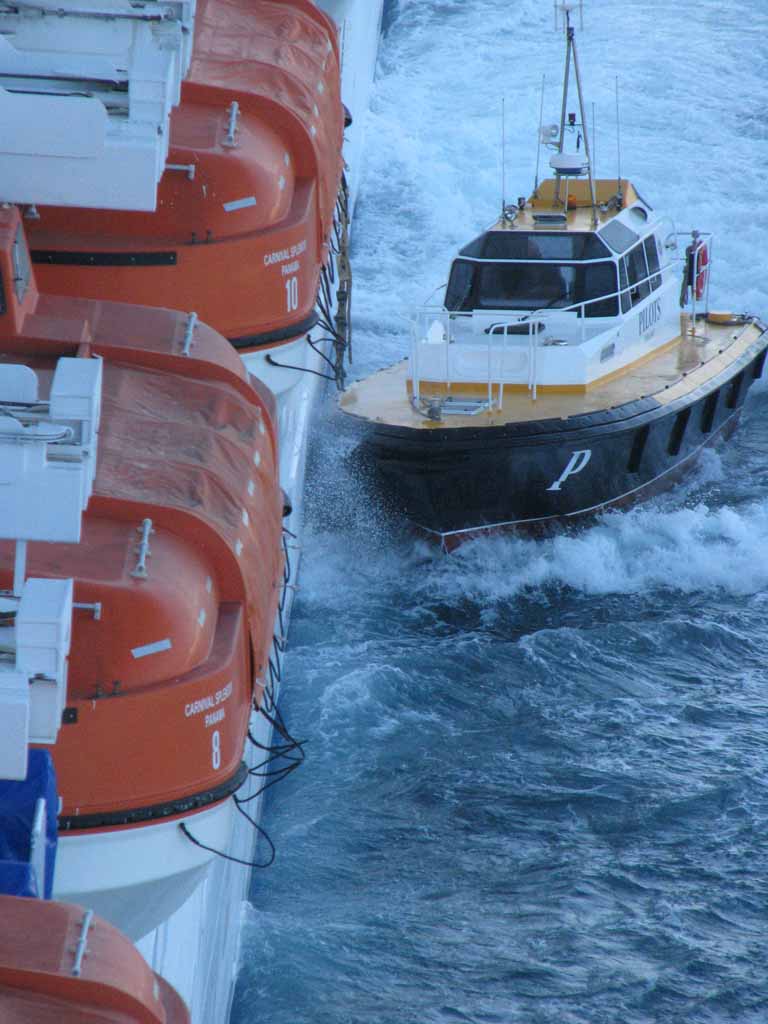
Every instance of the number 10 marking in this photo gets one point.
(292, 293)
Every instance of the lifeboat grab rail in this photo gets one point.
(436, 325)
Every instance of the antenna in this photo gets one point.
(563, 9)
(503, 157)
(538, 148)
(618, 146)
(594, 139)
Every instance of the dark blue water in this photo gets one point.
(537, 776)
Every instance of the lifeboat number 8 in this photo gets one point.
(216, 750)
(292, 294)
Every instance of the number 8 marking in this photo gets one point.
(216, 750)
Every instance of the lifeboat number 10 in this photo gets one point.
(292, 294)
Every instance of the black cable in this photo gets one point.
(260, 830)
(263, 789)
(227, 856)
(273, 721)
(277, 722)
(278, 749)
(325, 286)
(301, 369)
(326, 317)
(257, 773)
(331, 330)
(264, 769)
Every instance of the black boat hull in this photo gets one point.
(456, 483)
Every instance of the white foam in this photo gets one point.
(684, 549)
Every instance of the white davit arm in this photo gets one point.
(47, 466)
(86, 92)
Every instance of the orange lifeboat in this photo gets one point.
(246, 204)
(178, 573)
(61, 965)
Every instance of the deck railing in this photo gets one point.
(478, 346)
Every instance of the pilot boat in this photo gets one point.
(573, 366)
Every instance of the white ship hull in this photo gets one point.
(197, 948)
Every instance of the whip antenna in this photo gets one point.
(503, 157)
(618, 143)
(538, 148)
(564, 7)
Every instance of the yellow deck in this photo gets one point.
(677, 370)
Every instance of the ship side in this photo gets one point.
(228, 119)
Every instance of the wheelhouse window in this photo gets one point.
(537, 245)
(618, 235)
(626, 302)
(637, 272)
(652, 257)
(640, 272)
(458, 294)
(600, 280)
(533, 285)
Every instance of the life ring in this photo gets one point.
(700, 261)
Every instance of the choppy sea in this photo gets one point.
(536, 786)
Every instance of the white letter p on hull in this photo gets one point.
(577, 462)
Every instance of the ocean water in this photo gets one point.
(536, 786)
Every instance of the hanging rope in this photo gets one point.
(302, 369)
(228, 856)
(287, 754)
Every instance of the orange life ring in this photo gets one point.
(701, 259)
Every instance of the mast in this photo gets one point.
(561, 167)
(566, 83)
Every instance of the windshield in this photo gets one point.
(537, 245)
(530, 286)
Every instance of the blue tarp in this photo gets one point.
(17, 813)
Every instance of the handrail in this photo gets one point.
(37, 845)
(82, 944)
(533, 318)
(533, 352)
